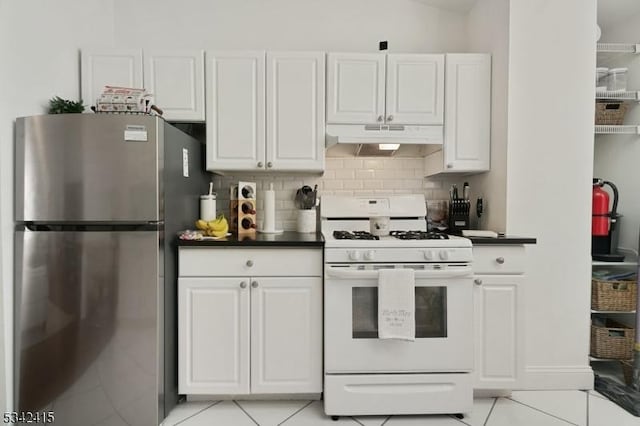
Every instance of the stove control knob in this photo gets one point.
(355, 255)
(444, 255)
(428, 255)
(369, 255)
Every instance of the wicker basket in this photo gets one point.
(610, 112)
(610, 339)
(613, 295)
(627, 371)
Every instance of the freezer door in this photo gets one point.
(88, 167)
(87, 326)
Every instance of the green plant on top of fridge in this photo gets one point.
(57, 105)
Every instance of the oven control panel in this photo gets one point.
(399, 255)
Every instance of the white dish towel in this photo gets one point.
(396, 304)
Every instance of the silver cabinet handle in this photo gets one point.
(390, 118)
(500, 260)
(477, 281)
(259, 163)
(254, 284)
(249, 263)
(243, 284)
(269, 164)
(380, 118)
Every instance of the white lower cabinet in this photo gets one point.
(213, 336)
(498, 316)
(286, 335)
(249, 334)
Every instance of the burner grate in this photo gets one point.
(419, 235)
(355, 235)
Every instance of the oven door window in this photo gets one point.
(430, 312)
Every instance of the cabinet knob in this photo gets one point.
(477, 281)
(254, 284)
(243, 284)
(380, 118)
(500, 260)
(249, 263)
(269, 164)
(449, 166)
(390, 118)
(259, 163)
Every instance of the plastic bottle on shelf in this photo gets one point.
(601, 79)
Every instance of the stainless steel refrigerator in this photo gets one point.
(99, 199)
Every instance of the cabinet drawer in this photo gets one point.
(499, 260)
(201, 261)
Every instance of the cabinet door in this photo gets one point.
(295, 111)
(355, 87)
(213, 336)
(108, 67)
(415, 89)
(467, 112)
(175, 78)
(286, 335)
(499, 342)
(235, 110)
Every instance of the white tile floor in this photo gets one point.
(530, 408)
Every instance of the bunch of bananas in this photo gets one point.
(214, 228)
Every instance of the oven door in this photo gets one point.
(443, 312)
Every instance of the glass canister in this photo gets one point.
(617, 80)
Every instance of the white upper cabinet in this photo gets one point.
(265, 112)
(355, 87)
(235, 110)
(176, 81)
(295, 111)
(175, 78)
(367, 88)
(108, 67)
(467, 118)
(415, 89)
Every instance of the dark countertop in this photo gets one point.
(501, 240)
(286, 239)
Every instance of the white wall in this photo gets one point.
(39, 42)
(489, 32)
(335, 25)
(550, 160)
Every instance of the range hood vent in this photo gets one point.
(381, 139)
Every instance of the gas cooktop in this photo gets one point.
(401, 235)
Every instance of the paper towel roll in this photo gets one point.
(269, 214)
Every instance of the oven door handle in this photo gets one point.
(346, 273)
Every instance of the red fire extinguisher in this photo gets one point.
(602, 220)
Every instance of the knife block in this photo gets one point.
(458, 216)
(246, 209)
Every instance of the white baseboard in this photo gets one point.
(567, 377)
(256, 397)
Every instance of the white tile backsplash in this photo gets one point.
(366, 176)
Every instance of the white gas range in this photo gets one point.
(366, 375)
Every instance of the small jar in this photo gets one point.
(601, 79)
(617, 80)
(208, 207)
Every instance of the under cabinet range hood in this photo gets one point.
(381, 139)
